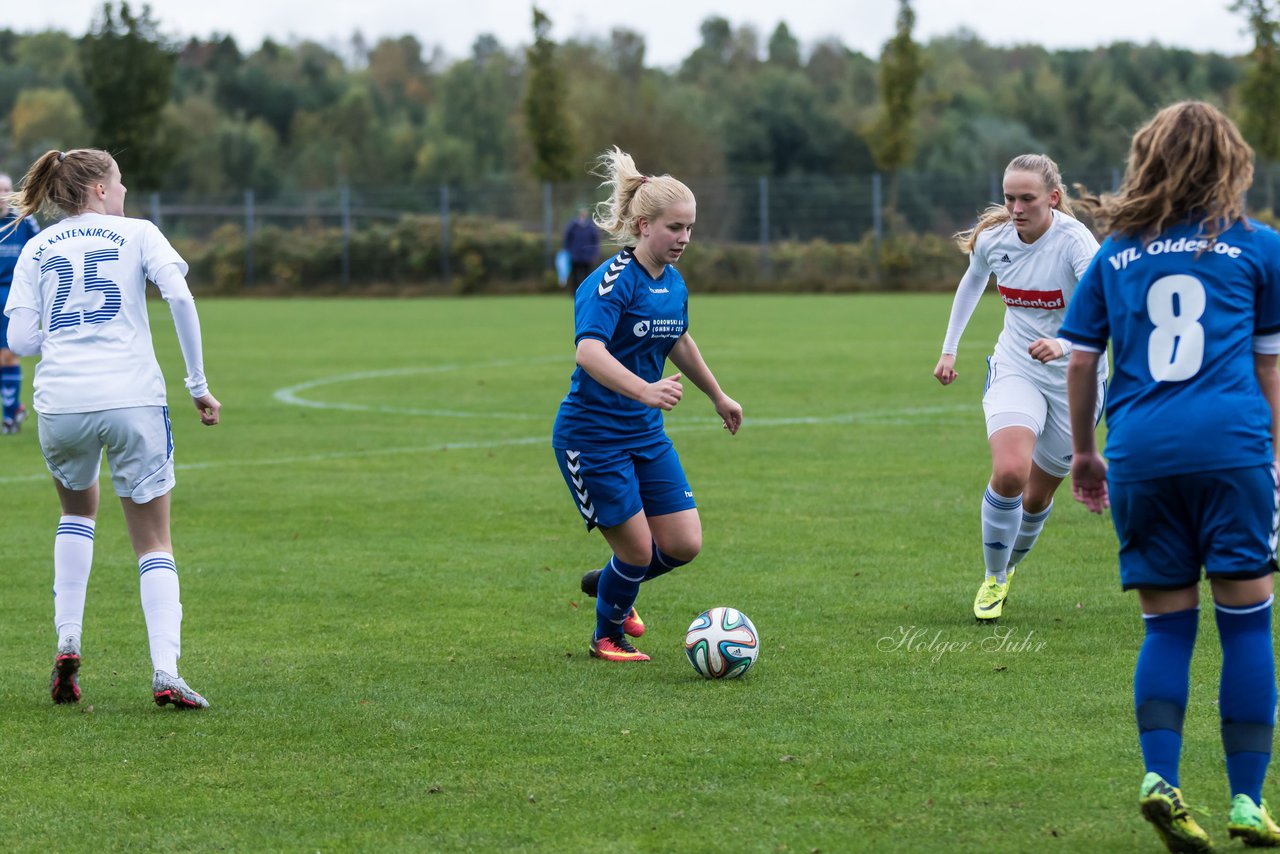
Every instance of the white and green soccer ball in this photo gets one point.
(722, 643)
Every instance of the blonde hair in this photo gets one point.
(1040, 164)
(1188, 161)
(635, 196)
(62, 179)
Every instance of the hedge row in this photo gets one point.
(492, 256)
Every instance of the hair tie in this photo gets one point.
(62, 155)
(644, 179)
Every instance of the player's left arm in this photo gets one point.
(1264, 365)
(686, 356)
(1084, 251)
(186, 322)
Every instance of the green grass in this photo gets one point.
(382, 607)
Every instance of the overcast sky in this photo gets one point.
(670, 28)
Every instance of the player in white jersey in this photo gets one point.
(1037, 251)
(78, 300)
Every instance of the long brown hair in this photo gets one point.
(1039, 164)
(1189, 161)
(634, 196)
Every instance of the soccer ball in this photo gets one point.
(722, 643)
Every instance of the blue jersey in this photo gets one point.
(1184, 397)
(639, 319)
(11, 243)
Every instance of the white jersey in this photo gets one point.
(86, 277)
(1035, 281)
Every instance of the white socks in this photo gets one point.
(1032, 525)
(158, 580)
(72, 561)
(1001, 520)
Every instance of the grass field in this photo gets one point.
(380, 571)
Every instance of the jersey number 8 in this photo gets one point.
(1175, 350)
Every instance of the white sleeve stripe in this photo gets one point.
(1268, 345)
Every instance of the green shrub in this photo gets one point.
(486, 255)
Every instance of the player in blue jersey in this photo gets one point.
(1187, 289)
(11, 243)
(630, 316)
(79, 300)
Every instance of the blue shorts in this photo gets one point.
(609, 487)
(1169, 527)
(4, 318)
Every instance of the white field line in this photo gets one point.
(292, 396)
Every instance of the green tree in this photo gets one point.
(1260, 91)
(128, 72)
(545, 117)
(44, 119)
(784, 50)
(901, 67)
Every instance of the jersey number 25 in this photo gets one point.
(66, 273)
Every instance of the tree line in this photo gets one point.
(210, 115)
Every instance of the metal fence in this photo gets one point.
(760, 211)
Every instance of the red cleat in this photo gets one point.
(615, 649)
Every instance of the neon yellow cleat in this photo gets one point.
(1252, 823)
(1162, 805)
(989, 604)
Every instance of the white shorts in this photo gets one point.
(1013, 399)
(138, 442)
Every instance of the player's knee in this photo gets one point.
(686, 549)
(1008, 480)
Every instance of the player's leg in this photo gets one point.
(672, 511)
(73, 455)
(1051, 463)
(605, 491)
(618, 589)
(1239, 510)
(72, 563)
(1001, 514)
(1161, 560)
(159, 592)
(1037, 504)
(139, 447)
(1160, 684)
(12, 412)
(677, 540)
(1015, 410)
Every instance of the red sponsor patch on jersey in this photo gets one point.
(1047, 300)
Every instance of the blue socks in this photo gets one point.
(1247, 694)
(661, 563)
(1161, 682)
(619, 586)
(10, 387)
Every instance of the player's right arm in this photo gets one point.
(962, 307)
(1087, 327)
(23, 308)
(594, 358)
(1088, 469)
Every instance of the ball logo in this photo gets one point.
(641, 329)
